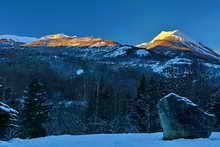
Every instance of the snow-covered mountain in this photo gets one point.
(179, 41)
(15, 38)
(175, 40)
(170, 49)
(56, 40)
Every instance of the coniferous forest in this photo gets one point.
(104, 102)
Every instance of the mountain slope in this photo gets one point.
(178, 41)
(64, 40)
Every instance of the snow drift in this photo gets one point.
(114, 140)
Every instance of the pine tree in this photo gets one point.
(35, 111)
(214, 108)
(142, 108)
(216, 111)
(138, 106)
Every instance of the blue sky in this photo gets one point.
(126, 21)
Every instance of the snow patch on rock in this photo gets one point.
(179, 61)
(212, 65)
(158, 67)
(180, 98)
(142, 52)
(68, 104)
(118, 52)
(79, 72)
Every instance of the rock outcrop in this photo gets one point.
(181, 118)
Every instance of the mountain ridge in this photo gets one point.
(175, 40)
(55, 40)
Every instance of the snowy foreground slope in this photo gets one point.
(116, 140)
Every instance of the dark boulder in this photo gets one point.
(181, 118)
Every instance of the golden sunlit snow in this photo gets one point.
(64, 40)
(168, 39)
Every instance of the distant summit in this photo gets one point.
(15, 38)
(175, 35)
(64, 40)
(174, 39)
(179, 41)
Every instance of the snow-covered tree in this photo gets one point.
(8, 117)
